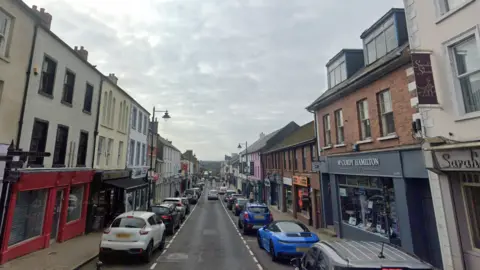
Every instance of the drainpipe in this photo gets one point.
(319, 212)
(95, 133)
(25, 90)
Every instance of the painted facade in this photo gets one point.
(137, 144)
(113, 127)
(15, 47)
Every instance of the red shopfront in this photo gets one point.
(45, 206)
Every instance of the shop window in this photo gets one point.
(368, 203)
(472, 201)
(28, 215)
(136, 206)
(75, 203)
(303, 201)
(129, 201)
(289, 197)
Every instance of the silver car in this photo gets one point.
(181, 208)
(212, 195)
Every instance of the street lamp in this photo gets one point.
(165, 116)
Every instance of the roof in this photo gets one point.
(381, 20)
(167, 143)
(262, 142)
(360, 78)
(305, 133)
(140, 214)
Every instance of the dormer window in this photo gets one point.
(381, 41)
(338, 74)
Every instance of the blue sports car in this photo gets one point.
(284, 238)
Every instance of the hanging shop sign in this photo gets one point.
(287, 181)
(300, 181)
(458, 160)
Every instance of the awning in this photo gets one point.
(127, 183)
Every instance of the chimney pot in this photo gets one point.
(34, 7)
(42, 10)
(75, 48)
(81, 47)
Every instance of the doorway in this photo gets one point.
(57, 210)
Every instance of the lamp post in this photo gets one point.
(246, 159)
(165, 116)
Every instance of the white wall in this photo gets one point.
(171, 162)
(139, 119)
(51, 109)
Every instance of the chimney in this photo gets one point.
(262, 135)
(113, 78)
(82, 52)
(44, 16)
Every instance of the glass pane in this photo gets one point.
(75, 203)
(332, 78)
(390, 123)
(386, 102)
(472, 200)
(338, 76)
(391, 37)
(467, 56)
(372, 55)
(381, 45)
(291, 227)
(128, 222)
(343, 71)
(471, 92)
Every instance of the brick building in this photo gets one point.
(294, 187)
(373, 177)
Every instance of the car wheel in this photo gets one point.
(259, 241)
(245, 231)
(239, 224)
(147, 257)
(162, 243)
(102, 257)
(272, 252)
(172, 230)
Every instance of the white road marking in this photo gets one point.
(153, 265)
(242, 238)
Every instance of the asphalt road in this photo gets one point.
(208, 239)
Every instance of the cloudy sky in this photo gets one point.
(226, 70)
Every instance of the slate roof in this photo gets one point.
(304, 134)
(167, 143)
(261, 143)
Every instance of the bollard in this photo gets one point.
(99, 265)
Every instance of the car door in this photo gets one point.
(155, 230)
(175, 216)
(267, 235)
(161, 226)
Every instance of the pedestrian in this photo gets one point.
(177, 193)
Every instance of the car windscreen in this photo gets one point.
(190, 192)
(258, 210)
(160, 210)
(212, 192)
(230, 192)
(171, 201)
(242, 201)
(128, 222)
(291, 227)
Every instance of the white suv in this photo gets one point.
(133, 233)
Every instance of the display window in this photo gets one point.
(289, 197)
(303, 201)
(368, 203)
(471, 191)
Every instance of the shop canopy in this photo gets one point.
(127, 183)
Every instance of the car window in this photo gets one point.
(190, 192)
(258, 209)
(241, 201)
(172, 201)
(184, 201)
(152, 221)
(291, 227)
(160, 210)
(158, 219)
(128, 222)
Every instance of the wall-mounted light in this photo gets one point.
(35, 71)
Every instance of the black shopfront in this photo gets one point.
(383, 196)
(112, 193)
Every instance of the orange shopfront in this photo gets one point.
(306, 199)
(46, 205)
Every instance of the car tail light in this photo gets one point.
(143, 231)
(237, 206)
(245, 215)
(179, 204)
(107, 231)
(129, 216)
(166, 217)
(271, 217)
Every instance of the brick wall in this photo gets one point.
(397, 83)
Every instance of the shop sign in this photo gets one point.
(109, 175)
(140, 172)
(266, 182)
(422, 69)
(316, 166)
(458, 160)
(359, 162)
(300, 181)
(287, 181)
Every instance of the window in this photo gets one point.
(87, 101)
(304, 158)
(119, 154)
(5, 22)
(68, 87)
(144, 154)
(467, 62)
(137, 154)
(338, 74)
(101, 142)
(284, 160)
(61, 141)
(145, 124)
(104, 109)
(82, 148)
(472, 202)
(75, 203)
(109, 152)
(448, 5)
(295, 162)
(120, 117)
(125, 118)
(112, 120)
(364, 120)
(109, 109)
(38, 141)
(140, 120)
(131, 153)
(384, 42)
(47, 79)
(339, 126)
(312, 152)
(386, 113)
(134, 118)
(326, 130)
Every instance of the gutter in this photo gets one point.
(95, 132)
(25, 90)
(289, 146)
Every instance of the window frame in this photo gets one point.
(39, 160)
(134, 118)
(372, 39)
(327, 131)
(339, 126)
(88, 100)
(468, 216)
(100, 149)
(4, 45)
(63, 147)
(68, 90)
(52, 60)
(443, 10)
(82, 156)
(381, 114)
(131, 153)
(363, 121)
(119, 154)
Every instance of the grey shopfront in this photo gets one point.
(383, 196)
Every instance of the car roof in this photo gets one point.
(231, 190)
(365, 254)
(255, 204)
(163, 205)
(137, 214)
(172, 199)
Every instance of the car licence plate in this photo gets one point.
(302, 249)
(123, 235)
(259, 217)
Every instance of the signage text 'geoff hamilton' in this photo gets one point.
(359, 162)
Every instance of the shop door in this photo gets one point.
(57, 210)
(327, 200)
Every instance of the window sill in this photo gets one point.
(339, 145)
(468, 116)
(87, 112)
(107, 127)
(388, 137)
(327, 147)
(453, 11)
(66, 103)
(369, 140)
(45, 94)
(122, 132)
(5, 59)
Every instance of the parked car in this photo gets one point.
(198, 190)
(135, 233)
(168, 213)
(352, 255)
(178, 205)
(192, 195)
(212, 195)
(285, 238)
(239, 205)
(228, 193)
(254, 217)
(222, 190)
(186, 202)
(231, 199)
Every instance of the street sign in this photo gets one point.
(316, 166)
